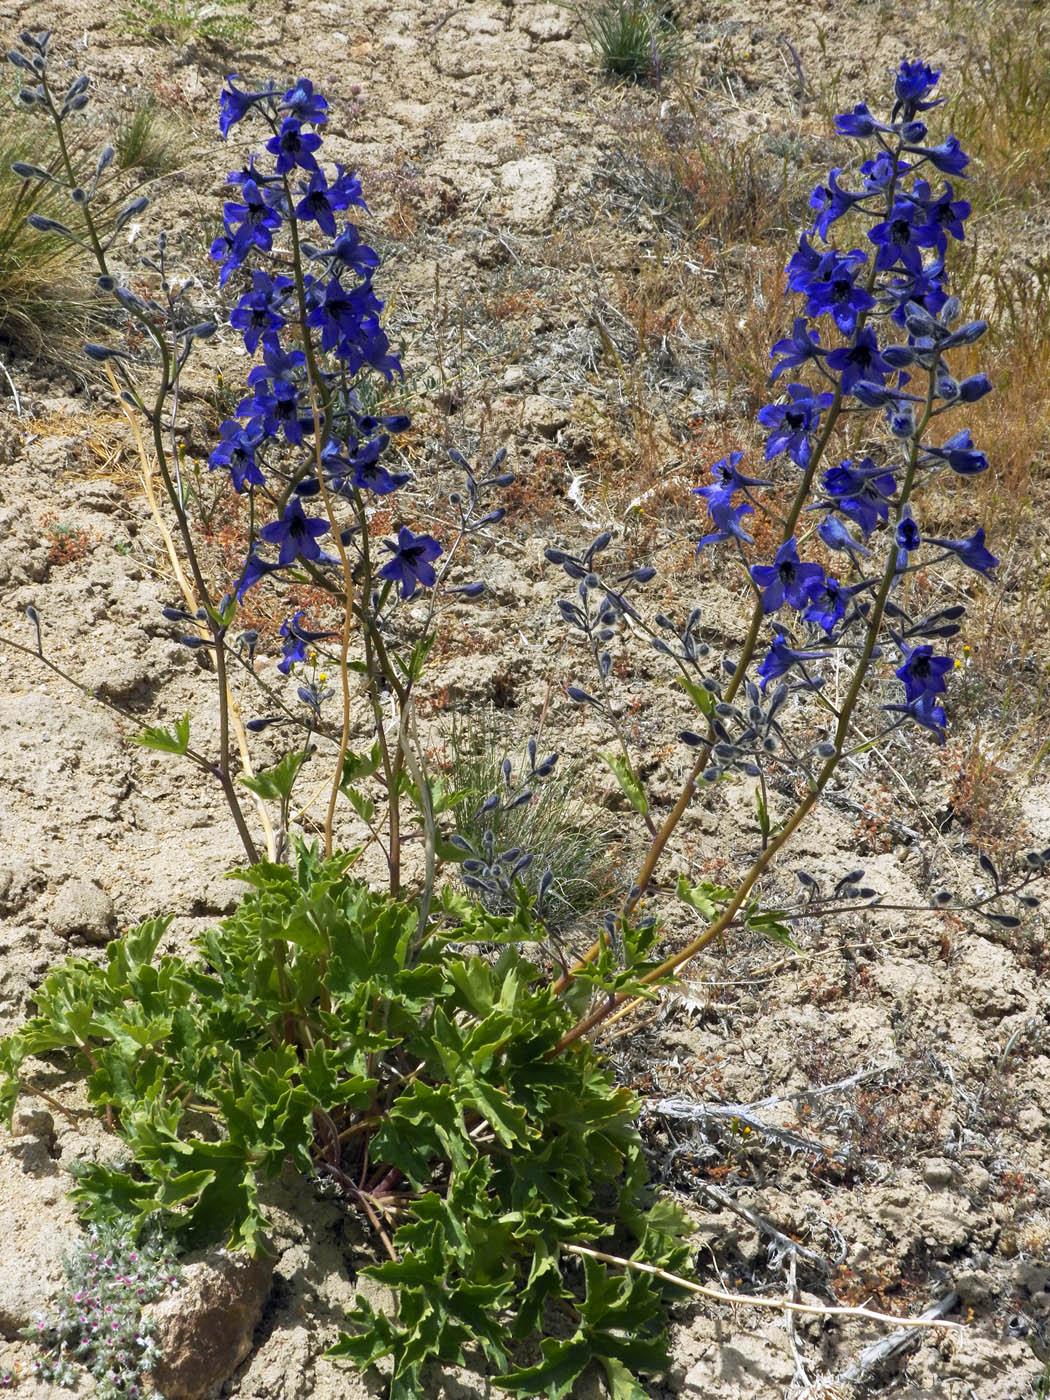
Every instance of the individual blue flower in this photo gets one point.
(861, 359)
(278, 365)
(833, 290)
(831, 202)
(960, 454)
(305, 105)
(254, 570)
(234, 105)
(971, 552)
(901, 238)
(787, 579)
(297, 639)
(907, 538)
(261, 310)
(878, 395)
(726, 519)
(782, 657)
(321, 201)
(792, 423)
(250, 223)
(945, 214)
(949, 157)
(413, 563)
(726, 479)
(236, 452)
(340, 314)
(803, 265)
(859, 123)
(827, 604)
(278, 411)
(881, 171)
(801, 346)
(316, 204)
(925, 288)
(295, 533)
(349, 251)
(922, 672)
(293, 147)
(835, 536)
(900, 419)
(368, 474)
(861, 492)
(974, 387)
(925, 711)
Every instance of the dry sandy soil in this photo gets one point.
(544, 299)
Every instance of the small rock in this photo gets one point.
(33, 1155)
(543, 416)
(33, 1122)
(546, 23)
(1033, 1278)
(530, 187)
(204, 1328)
(80, 907)
(975, 1287)
(937, 1172)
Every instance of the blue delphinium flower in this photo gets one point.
(413, 563)
(261, 310)
(960, 454)
(294, 147)
(913, 81)
(858, 360)
(305, 105)
(861, 492)
(782, 658)
(237, 453)
(787, 579)
(972, 552)
(726, 519)
(922, 672)
(295, 533)
(297, 639)
(833, 288)
(800, 347)
(792, 424)
(827, 604)
(832, 202)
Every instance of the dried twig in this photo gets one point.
(872, 1359)
(931, 1318)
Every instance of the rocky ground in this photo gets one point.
(552, 290)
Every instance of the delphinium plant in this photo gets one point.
(398, 1046)
(869, 372)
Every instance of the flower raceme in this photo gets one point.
(878, 328)
(301, 436)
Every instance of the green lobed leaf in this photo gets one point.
(166, 740)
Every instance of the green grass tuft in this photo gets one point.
(556, 827)
(633, 40)
(148, 140)
(43, 310)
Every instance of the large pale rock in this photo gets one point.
(205, 1327)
